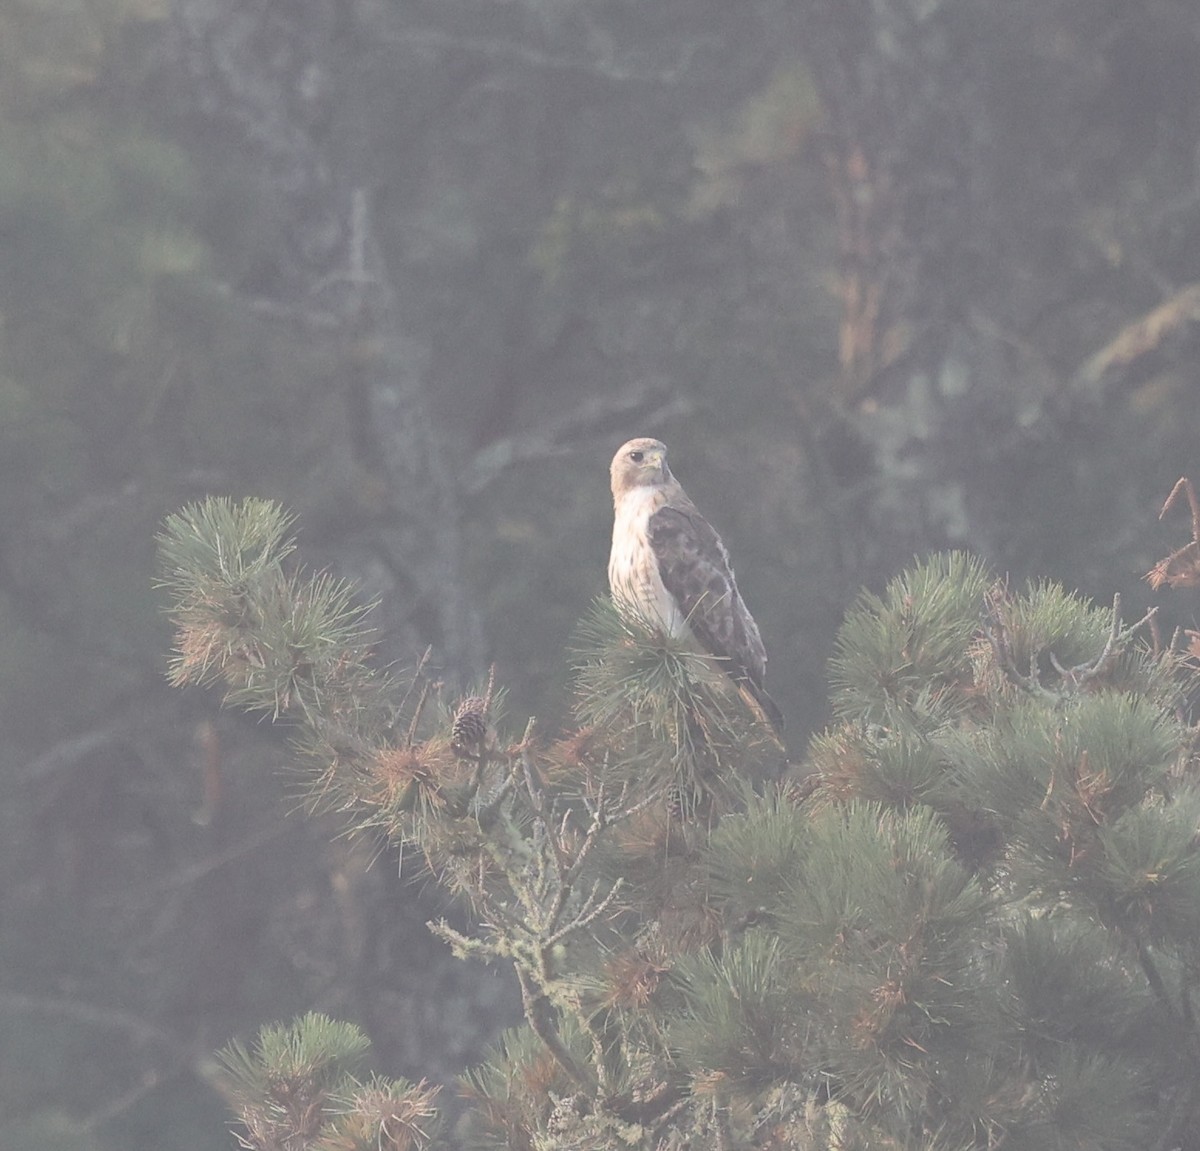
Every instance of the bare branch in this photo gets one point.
(1118, 637)
(135, 1026)
(1142, 335)
(523, 54)
(66, 753)
(194, 872)
(540, 1014)
(591, 911)
(301, 315)
(559, 437)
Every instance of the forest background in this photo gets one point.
(886, 277)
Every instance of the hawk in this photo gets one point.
(668, 565)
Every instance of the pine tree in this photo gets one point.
(973, 921)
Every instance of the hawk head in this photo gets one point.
(640, 463)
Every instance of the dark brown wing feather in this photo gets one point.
(695, 569)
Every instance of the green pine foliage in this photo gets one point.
(683, 721)
(910, 650)
(279, 642)
(970, 919)
(296, 1087)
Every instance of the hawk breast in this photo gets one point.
(633, 567)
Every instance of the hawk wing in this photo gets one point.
(694, 567)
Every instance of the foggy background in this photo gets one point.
(886, 275)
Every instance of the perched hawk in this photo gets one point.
(669, 565)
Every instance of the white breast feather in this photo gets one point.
(632, 566)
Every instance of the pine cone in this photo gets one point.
(470, 725)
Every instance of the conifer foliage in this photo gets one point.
(971, 920)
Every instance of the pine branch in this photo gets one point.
(931, 936)
(541, 1017)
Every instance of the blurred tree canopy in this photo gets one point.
(885, 276)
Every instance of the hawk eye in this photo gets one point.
(637, 457)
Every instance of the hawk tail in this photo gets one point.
(762, 704)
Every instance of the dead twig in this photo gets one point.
(1182, 567)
